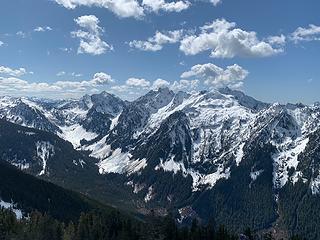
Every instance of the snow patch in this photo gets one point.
(136, 166)
(80, 161)
(211, 179)
(22, 165)
(198, 179)
(12, 207)
(150, 195)
(115, 163)
(45, 150)
(171, 166)
(315, 185)
(297, 176)
(100, 149)
(75, 133)
(27, 133)
(240, 154)
(119, 162)
(138, 188)
(287, 158)
(255, 175)
(114, 122)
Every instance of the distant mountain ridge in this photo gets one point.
(218, 152)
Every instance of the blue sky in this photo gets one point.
(66, 48)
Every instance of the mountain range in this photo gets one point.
(212, 155)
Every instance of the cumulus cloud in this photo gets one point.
(310, 33)
(161, 5)
(224, 40)
(90, 37)
(122, 8)
(160, 83)
(40, 29)
(135, 87)
(157, 42)
(16, 86)
(1, 43)
(277, 40)
(185, 85)
(101, 78)
(129, 8)
(138, 82)
(233, 76)
(12, 72)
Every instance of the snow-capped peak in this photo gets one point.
(202, 135)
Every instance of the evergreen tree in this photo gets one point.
(248, 234)
(70, 232)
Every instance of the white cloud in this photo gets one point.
(38, 29)
(90, 37)
(42, 29)
(233, 76)
(122, 8)
(73, 74)
(101, 78)
(138, 86)
(311, 33)
(145, 46)
(215, 2)
(120, 88)
(161, 5)
(138, 82)
(16, 86)
(277, 40)
(1, 43)
(60, 74)
(67, 50)
(135, 87)
(21, 34)
(89, 22)
(129, 8)
(129, 92)
(225, 41)
(156, 42)
(12, 72)
(185, 85)
(160, 83)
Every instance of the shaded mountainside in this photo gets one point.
(31, 194)
(51, 158)
(52, 212)
(216, 154)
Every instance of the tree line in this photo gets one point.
(112, 226)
